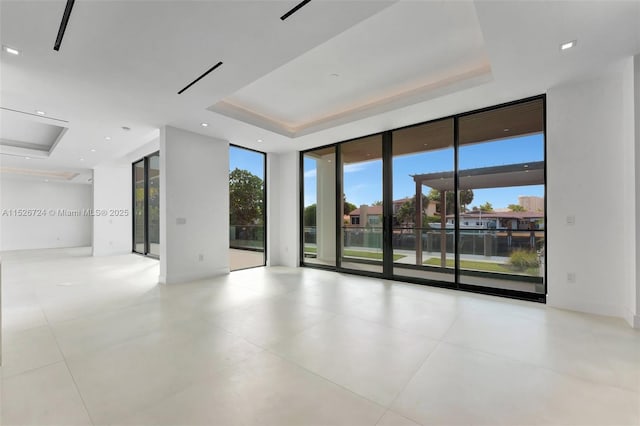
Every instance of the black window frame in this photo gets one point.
(146, 243)
(388, 212)
(264, 210)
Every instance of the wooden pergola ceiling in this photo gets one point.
(501, 123)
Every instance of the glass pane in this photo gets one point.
(154, 204)
(361, 169)
(138, 207)
(502, 229)
(423, 165)
(246, 208)
(319, 216)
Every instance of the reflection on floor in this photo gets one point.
(96, 340)
(242, 259)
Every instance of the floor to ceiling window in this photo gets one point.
(247, 208)
(146, 205)
(456, 202)
(360, 170)
(423, 245)
(319, 207)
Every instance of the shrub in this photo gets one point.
(524, 259)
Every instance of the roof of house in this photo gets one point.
(501, 215)
(372, 210)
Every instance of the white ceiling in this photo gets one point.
(122, 63)
(439, 45)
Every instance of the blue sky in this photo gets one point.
(247, 160)
(363, 181)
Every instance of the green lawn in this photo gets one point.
(480, 266)
(357, 253)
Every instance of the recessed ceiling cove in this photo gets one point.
(25, 134)
(407, 53)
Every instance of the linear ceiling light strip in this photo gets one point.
(63, 24)
(295, 9)
(199, 78)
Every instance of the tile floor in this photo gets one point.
(97, 341)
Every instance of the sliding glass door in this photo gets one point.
(319, 202)
(457, 202)
(139, 207)
(361, 227)
(502, 234)
(423, 239)
(247, 208)
(146, 205)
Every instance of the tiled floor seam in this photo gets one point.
(395, 398)
(64, 359)
(326, 379)
(543, 367)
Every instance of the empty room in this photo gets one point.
(320, 212)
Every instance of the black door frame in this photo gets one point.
(387, 164)
(146, 243)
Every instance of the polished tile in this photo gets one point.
(372, 360)
(264, 390)
(28, 349)
(270, 320)
(124, 378)
(98, 339)
(461, 386)
(45, 396)
(393, 419)
(577, 352)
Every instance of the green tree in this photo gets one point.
(310, 215)
(347, 206)
(407, 211)
(515, 208)
(377, 203)
(245, 197)
(466, 197)
(486, 207)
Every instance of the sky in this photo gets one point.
(247, 160)
(363, 181)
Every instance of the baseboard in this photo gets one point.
(589, 308)
(633, 320)
(189, 277)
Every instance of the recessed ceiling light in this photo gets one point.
(505, 130)
(568, 45)
(204, 124)
(92, 150)
(11, 50)
(41, 112)
(259, 140)
(27, 158)
(125, 128)
(46, 180)
(107, 138)
(81, 159)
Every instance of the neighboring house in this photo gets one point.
(432, 208)
(366, 215)
(499, 220)
(372, 215)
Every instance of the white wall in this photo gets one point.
(194, 206)
(52, 230)
(112, 234)
(589, 171)
(273, 209)
(283, 208)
